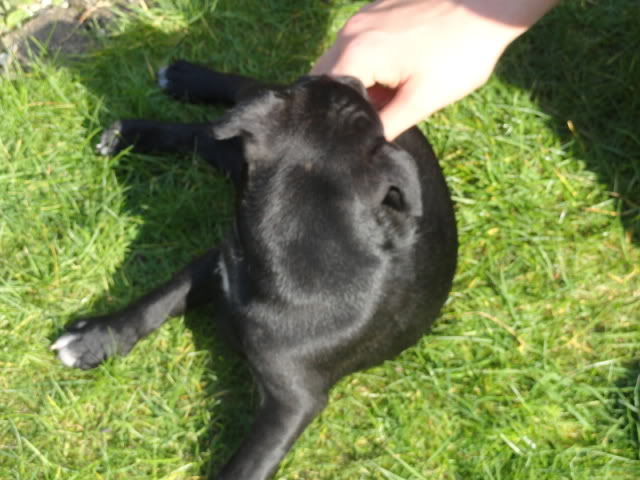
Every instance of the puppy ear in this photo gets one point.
(397, 184)
(254, 121)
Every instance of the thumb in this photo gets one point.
(407, 107)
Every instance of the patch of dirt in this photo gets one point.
(63, 31)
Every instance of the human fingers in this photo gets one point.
(347, 58)
(405, 108)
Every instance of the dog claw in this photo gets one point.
(63, 341)
(66, 355)
(163, 80)
(111, 140)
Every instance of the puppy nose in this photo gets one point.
(352, 82)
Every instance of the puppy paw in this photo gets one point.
(184, 81)
(112, 140)
(87, 343)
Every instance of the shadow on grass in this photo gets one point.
(581, 63)
(625, 403)
(181, 205)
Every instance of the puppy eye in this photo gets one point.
(394, 199)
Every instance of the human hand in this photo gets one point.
(418, 56)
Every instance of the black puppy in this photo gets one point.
(341, 255)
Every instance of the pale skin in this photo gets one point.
(418, 56)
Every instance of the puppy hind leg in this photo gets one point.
(88, 342)
(197, 84)
(280, 420)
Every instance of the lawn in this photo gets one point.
(532, 371)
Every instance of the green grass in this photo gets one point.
(531, 373)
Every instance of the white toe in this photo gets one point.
(63, 341)
(67, 357)
(163, 81)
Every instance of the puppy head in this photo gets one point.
(327, 127)
(323, 195)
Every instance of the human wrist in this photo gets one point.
(506, 19)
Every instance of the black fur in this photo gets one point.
(342, 252)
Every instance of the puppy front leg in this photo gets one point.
(88, 342)
(150, 136)
(279, 422)
(154, 137)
